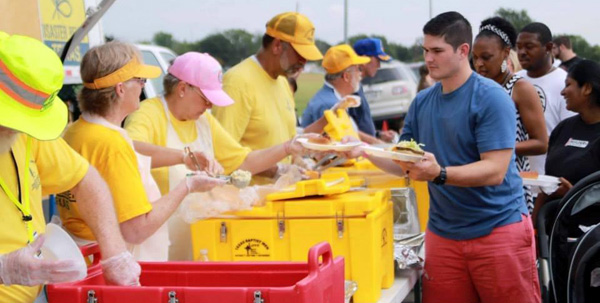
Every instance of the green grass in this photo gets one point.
(308, 85)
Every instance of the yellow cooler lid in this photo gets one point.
(328, 184)
(339, 126)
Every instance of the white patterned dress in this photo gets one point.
(522, 135)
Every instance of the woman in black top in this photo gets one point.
(574, 149)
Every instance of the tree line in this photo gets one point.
(232, 46)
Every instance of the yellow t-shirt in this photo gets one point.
(115, 160)
(54, 167)
(149, 124)
(263, 113)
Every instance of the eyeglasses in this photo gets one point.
(141, 81)
(197, 91)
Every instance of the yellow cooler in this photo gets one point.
(357, 224)
(373, 177)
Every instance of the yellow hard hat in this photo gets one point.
(31, 75)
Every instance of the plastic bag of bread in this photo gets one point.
(228, 198)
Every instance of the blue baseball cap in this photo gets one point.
(371, 47)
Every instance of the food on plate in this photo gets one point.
(349, 101)
(241, 178)
(529, 174)
(408, 147)
(320, 140)
(312, 174)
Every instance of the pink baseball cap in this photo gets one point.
(204, 72)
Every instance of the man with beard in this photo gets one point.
(562, 50)
(342, 79)
(35, 162)
(343, 74)
(263, 113)
(534, 48)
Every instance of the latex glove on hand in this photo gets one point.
(200, 182)
(295, 148)
(306, 163)
(22, 267)
(121, 269)
(284, 168)
(205, 163)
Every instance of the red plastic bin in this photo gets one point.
(210, 282)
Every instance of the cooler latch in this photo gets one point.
(258, 297)
(173, 297)
(223, 232)
(281, 225)
(91, 297)
(339, 219)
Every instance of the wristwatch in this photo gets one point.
(441, 179)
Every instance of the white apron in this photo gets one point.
(155, 247)
(179, 231)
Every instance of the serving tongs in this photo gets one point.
(330, 160)
(229, 179)
(190, 154)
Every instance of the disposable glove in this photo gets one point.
(202, 163)
(200, 182)
(295, 148)
(22, 267)
(121, 269)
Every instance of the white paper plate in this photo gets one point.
(542, 180)
(382, 153)
(327, 147)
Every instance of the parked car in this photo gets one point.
(390, 92)
(414, 67)
(157, 56)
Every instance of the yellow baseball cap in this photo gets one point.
(296, 29)
(31, 75)
(340, 57)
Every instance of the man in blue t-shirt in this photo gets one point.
(479, 239)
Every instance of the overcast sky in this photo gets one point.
(400, 21)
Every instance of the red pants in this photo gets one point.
(499, 267)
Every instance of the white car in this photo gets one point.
(391, 91)
(157, 56)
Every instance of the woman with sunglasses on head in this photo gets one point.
(114, 75)
(491, 51)
(574, 149)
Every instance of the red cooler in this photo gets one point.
(210, 282)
